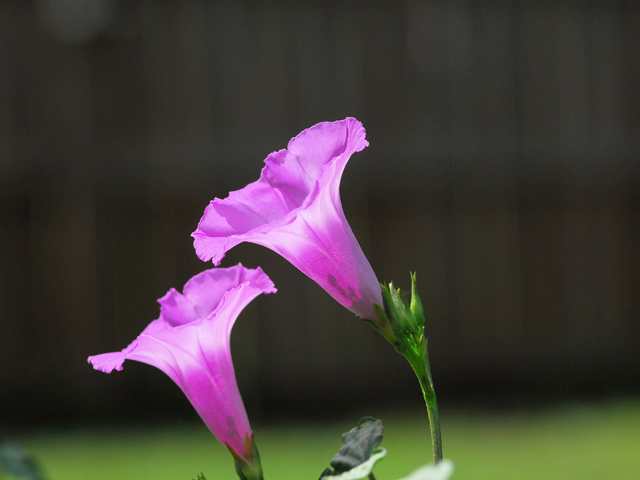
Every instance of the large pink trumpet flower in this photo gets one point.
(190, 343)
(294, 209)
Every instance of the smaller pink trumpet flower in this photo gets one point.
(295, 210)
(190, 342)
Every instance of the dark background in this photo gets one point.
(503, 168)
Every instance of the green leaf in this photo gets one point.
(359, 445)
(359, 472)
(15, 462)
(438, 471)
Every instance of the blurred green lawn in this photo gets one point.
(570, 442)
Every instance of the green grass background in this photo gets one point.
(591, 441)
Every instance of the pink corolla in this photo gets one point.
(295, 210)
(190, 343)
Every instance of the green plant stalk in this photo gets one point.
(419, 361)
(401, 322)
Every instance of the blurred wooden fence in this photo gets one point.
(503, 167)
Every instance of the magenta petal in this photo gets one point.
(295, 210)
(177, 309)
(108, 362)
(197, 354)
(205, 291)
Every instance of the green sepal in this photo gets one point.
(248, 465)
(382, 324)
(395, 308)
(398, 311)
(360, 444)
(416, 304)
(17, 463)
(201, 476)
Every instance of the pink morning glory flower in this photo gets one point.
(294, 209)
(190, 343)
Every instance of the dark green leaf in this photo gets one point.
(360, 472)
(15, 462)
(359, 444)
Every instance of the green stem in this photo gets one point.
(434, 417)
(420, 364)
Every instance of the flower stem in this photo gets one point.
(432, 410)
(420, 363)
